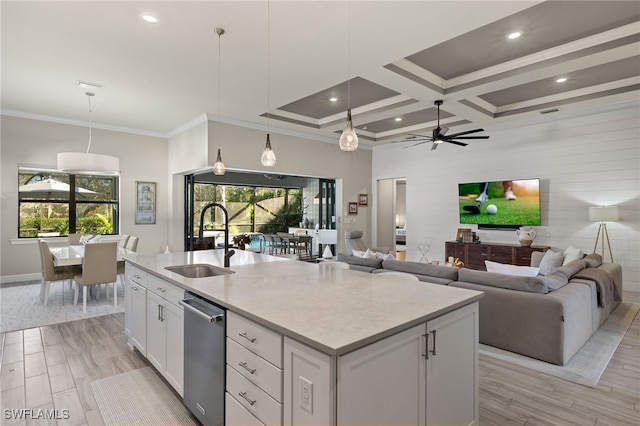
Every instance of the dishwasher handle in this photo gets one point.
(212, 319)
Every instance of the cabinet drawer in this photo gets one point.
(258, 339)
(171, 293)
(254, 399)
(501, 254)
(135, 274)
(236, 415)
(264, 374)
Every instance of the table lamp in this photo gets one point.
(327, 237)
(603, 214)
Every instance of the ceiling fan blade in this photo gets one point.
(434, 146)
(456, 142)
(466, 132)
(444, 130)
(466, 137)
(411, 146)
(413, 135)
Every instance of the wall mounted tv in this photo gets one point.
(506, 204)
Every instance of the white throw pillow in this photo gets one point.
(520, 271)
(388, 256)
(571, 254)
(369, 254)
(550, 261)
(358, 253)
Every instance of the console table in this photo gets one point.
(474, 254)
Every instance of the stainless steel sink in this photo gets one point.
(199, 270)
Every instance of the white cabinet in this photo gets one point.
(427, 375)
(136, 308)
(254, 373)
(154, 323)
(165, 335)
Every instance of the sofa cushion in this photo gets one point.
(593, 260)
(536, 258)
(555, 280)
(520, 271)
(360, 261)
(550, 261)
(417, 268)
(571, 268)
(511, 282)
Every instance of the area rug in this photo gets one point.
(139, 397)
(21, 308)
(588, 364)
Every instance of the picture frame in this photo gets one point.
(363, 199)
(353, 208)
(145, 203)
(462, 232)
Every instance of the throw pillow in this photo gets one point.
(369, 254)
(593, 260)
(520, 271)
(536, 258)
(550, 261)
(388, 256)
(572, 253)
(358, 253)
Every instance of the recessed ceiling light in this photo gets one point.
(561, 80)
(514, 35)
(333, 99)
(149, 19)
(398, 119)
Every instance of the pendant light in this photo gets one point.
(349, 139)
(86, 163)
(268, 158)
(218, 167)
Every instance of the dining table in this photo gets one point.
(73, 254)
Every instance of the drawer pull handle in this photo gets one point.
(161, 289)
(243, 334)
(137, 276)
(244, 365)
(244, 395)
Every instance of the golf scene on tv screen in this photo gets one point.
(507, 203)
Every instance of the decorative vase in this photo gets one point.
(526, 235)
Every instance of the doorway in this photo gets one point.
(391, 223)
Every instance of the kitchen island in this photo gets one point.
(350, 347)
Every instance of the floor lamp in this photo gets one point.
(327, 237)
(603, 214)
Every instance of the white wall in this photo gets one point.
(35, 142)
(582, 161)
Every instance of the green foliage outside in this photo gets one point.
(98, 224)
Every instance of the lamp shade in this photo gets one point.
(327, 236)
(603, 214)
(85, 163)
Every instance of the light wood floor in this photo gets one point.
(53, 367)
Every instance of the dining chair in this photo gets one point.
(99, 266)
(132, 243)
(74, 239)
(51, 273)
(302, 245)
(124, 239)
(331, 264)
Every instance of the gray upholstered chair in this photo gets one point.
(51, 273)
(124, 239)
(99, 266)
(353, 241)
(132, 243)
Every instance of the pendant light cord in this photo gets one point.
(348, 55)
(89, 95)
(268, 66)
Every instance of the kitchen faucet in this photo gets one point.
(227, 253)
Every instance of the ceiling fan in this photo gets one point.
(439, 135)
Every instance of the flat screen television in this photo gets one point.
(506, 204)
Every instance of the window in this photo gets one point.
(52, 203)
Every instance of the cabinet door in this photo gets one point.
(173, 318)
(136, 315)
(156, 341)
(384, 383)
(452, 368)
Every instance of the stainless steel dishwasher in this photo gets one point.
(204, 359)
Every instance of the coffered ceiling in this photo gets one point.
(281, 62)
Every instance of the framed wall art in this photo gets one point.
(353, 208)
(145, 203)
(363, 199)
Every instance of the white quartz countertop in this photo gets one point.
(334, 311)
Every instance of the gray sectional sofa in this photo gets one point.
(544, 317)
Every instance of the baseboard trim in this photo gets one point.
(6, 279)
